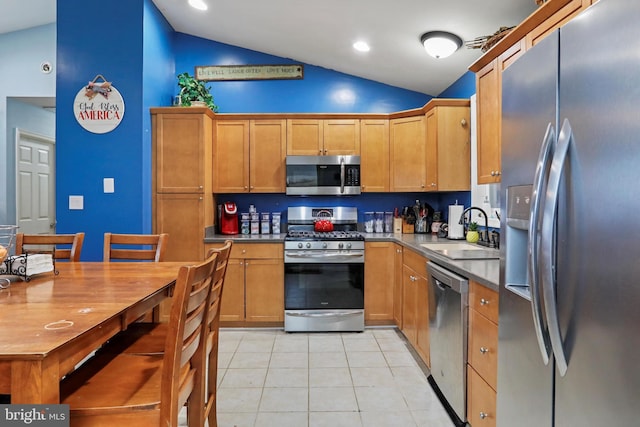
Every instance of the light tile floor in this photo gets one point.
(271, 378)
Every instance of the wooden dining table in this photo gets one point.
(51, 323)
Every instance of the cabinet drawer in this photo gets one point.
(483, 347)
(257, 250)
(481, 401)
(415, 261)
(483, 300)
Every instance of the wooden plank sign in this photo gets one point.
(249, 72)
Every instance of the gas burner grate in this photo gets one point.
(328, 235)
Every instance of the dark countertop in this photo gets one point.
(485, 271)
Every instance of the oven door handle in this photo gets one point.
(328, 314)
(323, 255)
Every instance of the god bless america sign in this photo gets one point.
(98, 106)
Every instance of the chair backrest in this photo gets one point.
(61, 246)
(214, 328)
(135, 247)
(185, 343)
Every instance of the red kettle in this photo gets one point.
(229, 219)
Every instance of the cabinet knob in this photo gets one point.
(484, 350)
(325, 151)
(422, 186)
(251, 187)
(463, 122)
(433, 184)
(498, 173)
(200, 187)
(244, 251)
(319, 151)
(200, 198)
(246, 188)
(484, 301)
(493, 173)
(483, 415)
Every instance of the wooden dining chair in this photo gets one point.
(119, 389)
(149, 338)
(61, 246)
(135, 247)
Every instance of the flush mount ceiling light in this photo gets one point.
(361, 46)
(440, 44)
(198, 4)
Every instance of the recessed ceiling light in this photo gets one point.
(198, 4)
(361, 46)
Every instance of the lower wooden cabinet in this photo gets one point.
(482, 356)
(379, 277)
(397, 285)
(481, 401)
(254, 284)
(415, 303)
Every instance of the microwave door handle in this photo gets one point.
(547, 241)
(533, 272)
(341, 175)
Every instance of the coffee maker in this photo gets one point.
(229, 218)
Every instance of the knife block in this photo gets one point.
(407, 228)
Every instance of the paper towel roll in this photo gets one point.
(456, 230)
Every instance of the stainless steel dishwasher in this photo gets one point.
(448, 294)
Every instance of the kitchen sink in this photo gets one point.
(462, 250)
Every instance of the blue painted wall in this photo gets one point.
(464, 87)
(321, 91)
(141, 56)
(87, 48)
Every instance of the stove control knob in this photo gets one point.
(300, 245)
(308, 245)
(348, 245)
(324, 246)
(340, 245)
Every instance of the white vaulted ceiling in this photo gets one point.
(322, 32)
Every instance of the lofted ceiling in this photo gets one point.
(321, 33)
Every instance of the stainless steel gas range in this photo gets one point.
(324, 271)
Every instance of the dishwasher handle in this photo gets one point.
(447, 278)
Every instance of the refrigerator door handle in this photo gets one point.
(547, 241)
(533, 272)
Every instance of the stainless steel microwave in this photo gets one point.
(323, 175)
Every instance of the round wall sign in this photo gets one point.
(99, 107)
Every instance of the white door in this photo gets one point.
(35, 183)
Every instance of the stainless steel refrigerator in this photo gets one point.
(569, 326)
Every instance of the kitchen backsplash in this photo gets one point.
(365, 202)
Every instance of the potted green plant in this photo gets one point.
(472, 234)
(194, 92)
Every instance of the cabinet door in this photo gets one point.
(431, 163)
(341, 137)
(374, 155)
(409, 306)
(182, 216)
(555, 21)
(483, 347)
(454, 148)
(232, 304)
(481, 401)
(422, 318)
(304, 137)
(180, 142)
(379, 276)
(488, 123)
(408, 154)
(268, 145)
(231, 157)
(264, 287)
(397, 286)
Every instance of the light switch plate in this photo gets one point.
(76, 202)
(109, 186)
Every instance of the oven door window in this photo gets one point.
(324, 286)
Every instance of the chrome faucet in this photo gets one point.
(484, 239)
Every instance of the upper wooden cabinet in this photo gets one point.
(181, 149)
(249, 156)
(407, 154)
(448, 147)
(489, 114)
(374, 155)
(546, 19)
(312, 137)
